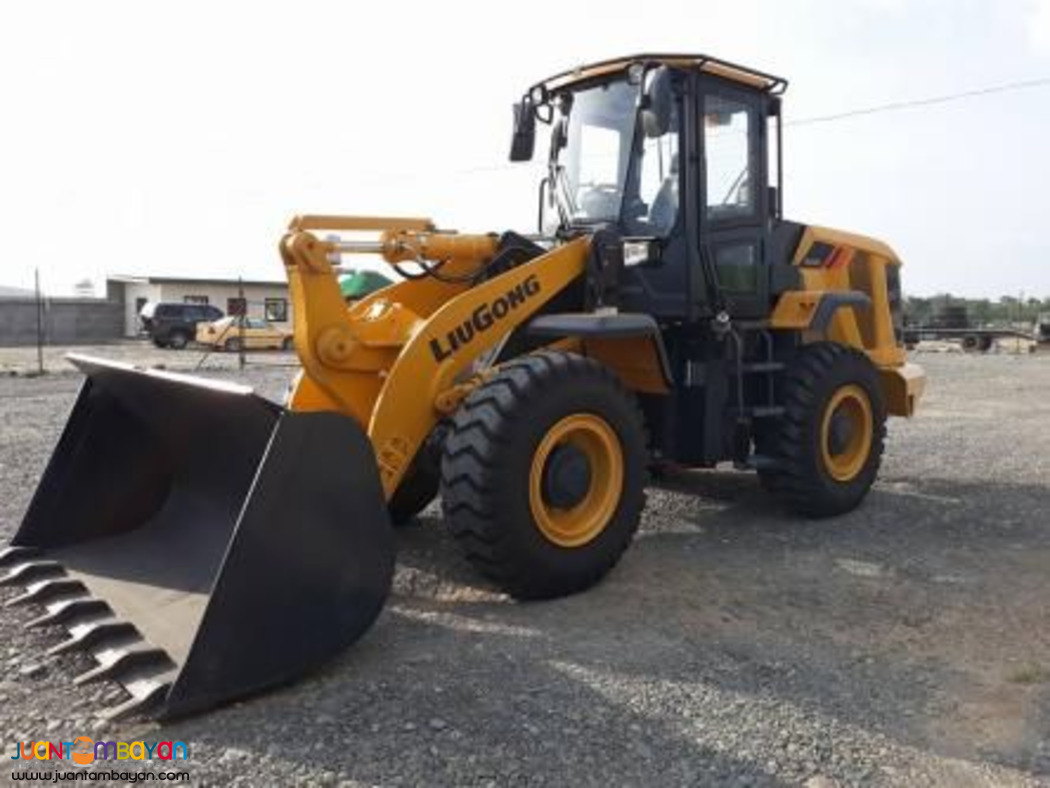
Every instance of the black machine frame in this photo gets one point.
(723, 361)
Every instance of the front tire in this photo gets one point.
(543, 475)
(178, 340)
(827, 447)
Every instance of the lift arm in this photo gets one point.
(387, 360)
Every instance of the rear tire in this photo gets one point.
(232, 345)
(827, 447)
(287, 344)
(527, 511)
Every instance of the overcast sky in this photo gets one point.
(179, 138)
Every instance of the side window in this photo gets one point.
(737, 267)
(729, 160)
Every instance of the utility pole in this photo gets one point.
(39, 323)
(243, 320)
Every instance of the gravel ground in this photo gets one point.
(904, 644)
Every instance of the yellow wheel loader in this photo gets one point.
(203, 543)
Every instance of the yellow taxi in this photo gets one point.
(231, 333)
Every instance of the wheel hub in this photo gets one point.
(566, 477)
(847, 433)
(840, 431)
(576, 479)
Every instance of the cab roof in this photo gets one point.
(734, 72)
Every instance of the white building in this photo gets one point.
(266, 299)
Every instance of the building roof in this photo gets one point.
(190, 280)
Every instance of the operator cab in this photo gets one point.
(670, 152)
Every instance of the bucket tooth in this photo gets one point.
(30, 571)
(122, 659)
(92, 633)
(45, 590)
(148, 687)
(14, 555)
(67, 610)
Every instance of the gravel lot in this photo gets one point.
(905, 644)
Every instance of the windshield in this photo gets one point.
(588, 174)
(606, 171)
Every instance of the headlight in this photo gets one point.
(637, 252)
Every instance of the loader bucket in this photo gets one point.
(201, 542)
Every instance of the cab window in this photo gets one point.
(729, 158)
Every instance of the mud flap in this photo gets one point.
(201, 542)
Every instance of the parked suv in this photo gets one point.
(174, 325)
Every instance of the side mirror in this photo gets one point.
(657, 103)
(523, 143)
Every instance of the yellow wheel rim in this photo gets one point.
(581, 523)
(846, 433)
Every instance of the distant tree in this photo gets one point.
(920, 310)
(942, 300)
(917, 310)
(980, 310)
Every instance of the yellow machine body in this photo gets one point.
(395, 363)
(204, 543)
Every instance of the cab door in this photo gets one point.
(734, 210)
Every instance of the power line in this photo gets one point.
(879, 108)
(874, 110)
(923, 102)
